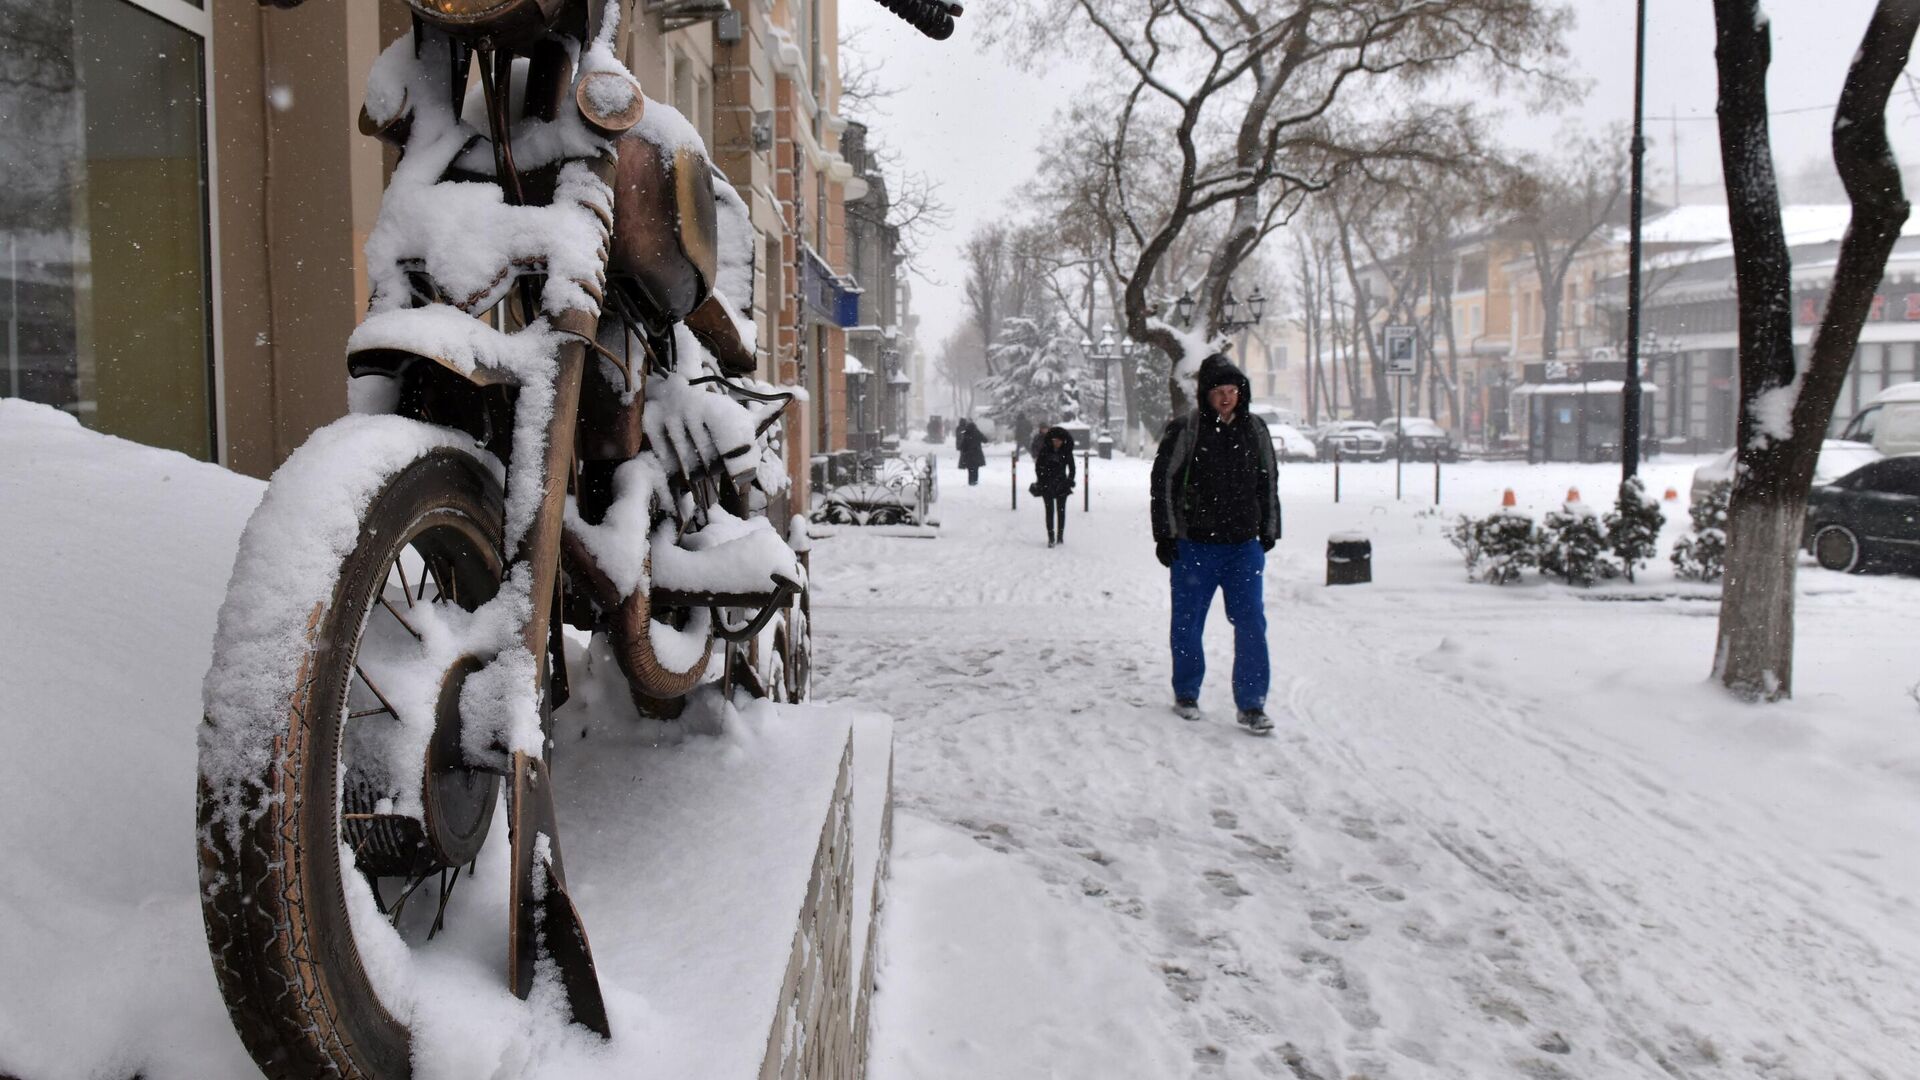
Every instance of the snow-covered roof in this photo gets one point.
(1805, 226)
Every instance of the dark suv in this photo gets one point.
(1869, 517)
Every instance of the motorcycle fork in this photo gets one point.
(544, 920)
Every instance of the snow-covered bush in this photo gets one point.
(1035, 362)
(1497, 547)
(1633, 526)
(1573, 546)
(1701, 555)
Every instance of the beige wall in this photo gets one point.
(297, 190)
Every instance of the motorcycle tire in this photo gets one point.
(275, 877)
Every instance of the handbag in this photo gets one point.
(1033, 489)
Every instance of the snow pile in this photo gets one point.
(728, 555)
(456, 339)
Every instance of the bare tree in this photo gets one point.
(1785, 408)
(1555, 207)
(1261, 105)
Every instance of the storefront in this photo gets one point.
(1573, 411)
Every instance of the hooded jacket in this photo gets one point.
(968, 440)
(1199, 484)
(1053, 470)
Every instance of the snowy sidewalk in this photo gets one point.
(1498, 832)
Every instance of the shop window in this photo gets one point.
(104, 272)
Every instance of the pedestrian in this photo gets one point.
(972, 452)
(1053, 475)
(1216, 514)
(1022, 431)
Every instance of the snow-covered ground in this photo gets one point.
(1499, 832)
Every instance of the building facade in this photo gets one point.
(185, 198)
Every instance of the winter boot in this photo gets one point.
(1255, 721)
(1186, 709)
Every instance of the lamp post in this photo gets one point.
(1630, 392)
(1105, 354)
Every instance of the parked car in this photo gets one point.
(1890, 422)
(1289, 444)
(1352, 439)
(1416, 438)
(1274, 414)
(1838, 457)
(1867, 518)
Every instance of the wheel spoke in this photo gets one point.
(406, 590)
(402, 619)
(385, 705)
(400, 905)
(446, 892)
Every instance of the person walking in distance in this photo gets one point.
(1053, 474)
(973, 454)
(1216, 514)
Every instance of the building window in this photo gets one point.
(104, 254)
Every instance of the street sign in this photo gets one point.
(1400, 361)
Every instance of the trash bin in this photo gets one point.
(1349, 559)
(1104, 445)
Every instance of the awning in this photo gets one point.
(1598, 386)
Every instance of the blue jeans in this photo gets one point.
(1239, 572)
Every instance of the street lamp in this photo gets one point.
(1104, 355)
(1238, 316)
(1183, 309)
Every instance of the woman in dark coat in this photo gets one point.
(966, 438)
(1053, 479)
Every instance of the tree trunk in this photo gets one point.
(1784, 412)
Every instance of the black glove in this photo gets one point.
(1266, 544)
(1165, 551)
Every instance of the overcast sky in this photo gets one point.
(974, 122)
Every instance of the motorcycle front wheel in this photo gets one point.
(354, 833)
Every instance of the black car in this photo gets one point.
(1867, 518)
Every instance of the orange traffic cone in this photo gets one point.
(1507, 499)
(1672, 495)
(1573, 494)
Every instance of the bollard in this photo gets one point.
(1436, 479)
(1015, 469)
(1508, 499)
(1349, 559)
(1336, 473)
(1086, 479)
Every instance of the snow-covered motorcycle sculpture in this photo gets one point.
(554, 421)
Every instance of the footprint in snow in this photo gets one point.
(1377, 889)
(1260, 849)
(1225, 884)
(1225, 819)
(1335, 925)
(1359, 828)
(1184, 983)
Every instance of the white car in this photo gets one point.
(1838, 457)
(1289, 444)
(1890, 422)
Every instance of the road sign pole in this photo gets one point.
(1399, 433)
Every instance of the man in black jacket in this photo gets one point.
(1216, 513)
